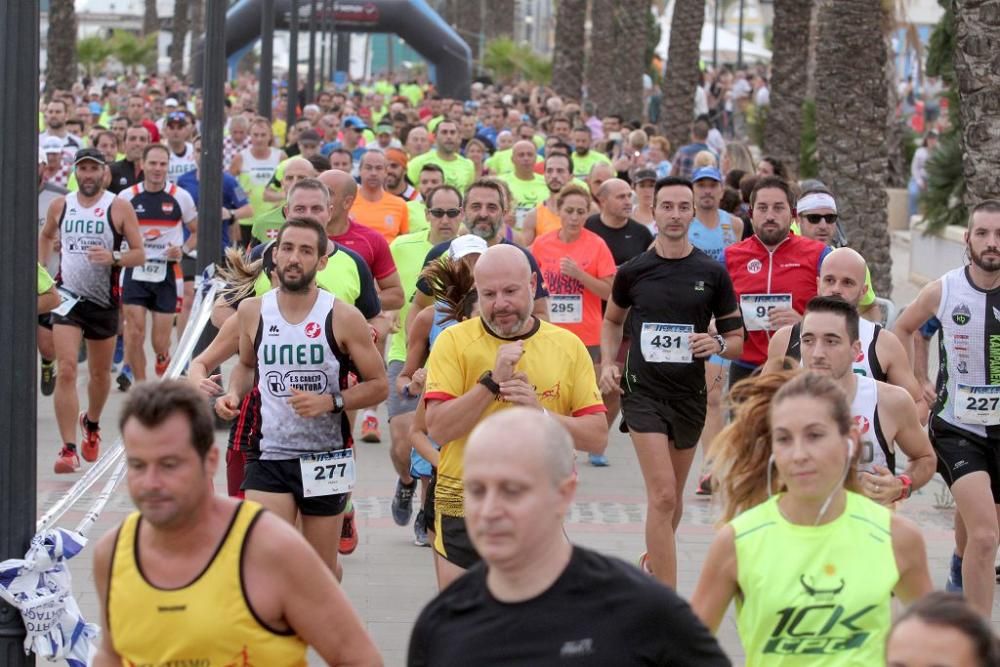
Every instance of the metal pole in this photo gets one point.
(18, 318)
(715, 36)
(311, 77)
(332, 36)
(322, 45)
(293, 68)
(266, 80)
(390, 40)
(213, 89)
(739, 48)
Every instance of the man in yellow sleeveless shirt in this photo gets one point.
(196, 578)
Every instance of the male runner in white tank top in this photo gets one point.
(884, 414)
(297, 344)
(89, 225)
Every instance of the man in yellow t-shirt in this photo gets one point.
(459, 172)
(374, 207)
(503, 358)
(527, 187)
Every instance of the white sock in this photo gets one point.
(368, 413)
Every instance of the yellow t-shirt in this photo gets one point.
(555, 361)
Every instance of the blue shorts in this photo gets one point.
(162, 297)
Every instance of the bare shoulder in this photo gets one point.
(249, 307)
(273, 542)
(894, 398)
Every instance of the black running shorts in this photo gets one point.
(96, 321)
(286, 477)
(680, 419)
(458, 548)
(960, 453)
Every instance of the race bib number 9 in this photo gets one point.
(757, 307)
(150, 272)
(327, 474)
(566, 308)
(978, 404)
(666, 343)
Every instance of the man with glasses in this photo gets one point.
(431, 176)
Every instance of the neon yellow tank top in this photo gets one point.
(815, 595)
(205, 623)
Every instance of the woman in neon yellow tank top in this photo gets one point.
(810, 563)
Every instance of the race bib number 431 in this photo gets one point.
(666, 343)
(757, 307)
(327, 474)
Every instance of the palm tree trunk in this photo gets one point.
(499, 19)
(567, 61)
(197, 19)
(851, 112)
(631, 26)
(469, 24)
(602, 60)
(681, 81)
(179, 37)
(789, 80)
(60, 71)
(977, 32)
(150, 21)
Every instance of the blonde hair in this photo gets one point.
(741, 454)
(704, 159)
(740, 157)
(638, 139)
(239, 274)
(569, 190)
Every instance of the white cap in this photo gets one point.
(469, 244)
(171, 102)
(52, 144)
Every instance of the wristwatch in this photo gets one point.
(486, 379)
(721, 340)
(338, 404)
(116, 257)
(907, 486)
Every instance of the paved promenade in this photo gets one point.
(388, 579)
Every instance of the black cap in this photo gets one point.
(644, 175)
(89, 154)
(309, 136)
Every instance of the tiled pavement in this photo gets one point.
(389, 580)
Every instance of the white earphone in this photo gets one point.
(850, 449)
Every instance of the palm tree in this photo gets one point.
(681, 81)
(150, 20)
(567, 63)
(132, 51)
(197, 19)
(92, 53)
(467, 19)
(60, 71)
(602, 59)
(631, 28)
(179, 37)
(851, 112)
(789, 80)
(499, 19)
(976, 35)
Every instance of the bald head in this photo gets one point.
(523, 155)
(506, 289)
(299, 168)
(615, 199)
(504, 259)
(340, 183)
(529, 437)
(844, 273)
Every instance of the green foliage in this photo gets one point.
(92, 53)
(944, 200)
(507, 60)
(131, 50)
(808, 165)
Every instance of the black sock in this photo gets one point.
(91, 426)
(47, 362)
(70, 446)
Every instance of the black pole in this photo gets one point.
(334, 65)
(344, 52)
(311, 77)
(321, 26)
(739, 48)
(213, 88)
(715, 36)
(390, 53)
(18, 318)
(266, 80)
(293, 68)
(328, 23)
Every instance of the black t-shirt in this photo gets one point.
(441, 248)
(600, 611)
(123, 175)
(626, 242)
(690, 290)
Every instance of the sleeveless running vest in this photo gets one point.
(866, 364)
(81, 228)
(816, 596)
(160, 217)
(208, 622)
(969, 348)
(713, 241)
(546, 221)
(181, 164)
(259, 171)
(303, 356)
(875, 449)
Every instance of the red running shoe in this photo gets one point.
(66, 462)
(348, 535)
(90, 446)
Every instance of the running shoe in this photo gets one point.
(598, 460)
(48, 379)
(954, 583)
(704, 486)
(90, 446)
(67, 461)
(162, 361)
(644, 563)
(119, 350)
(402, 502)
(348, 535)
(369, 429)
(125, 378)
(420, 531)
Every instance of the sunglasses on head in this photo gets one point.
(816, 218)
(441, 212)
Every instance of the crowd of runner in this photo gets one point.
(513, 275)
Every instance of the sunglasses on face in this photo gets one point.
(441, 212)
(816, 218)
